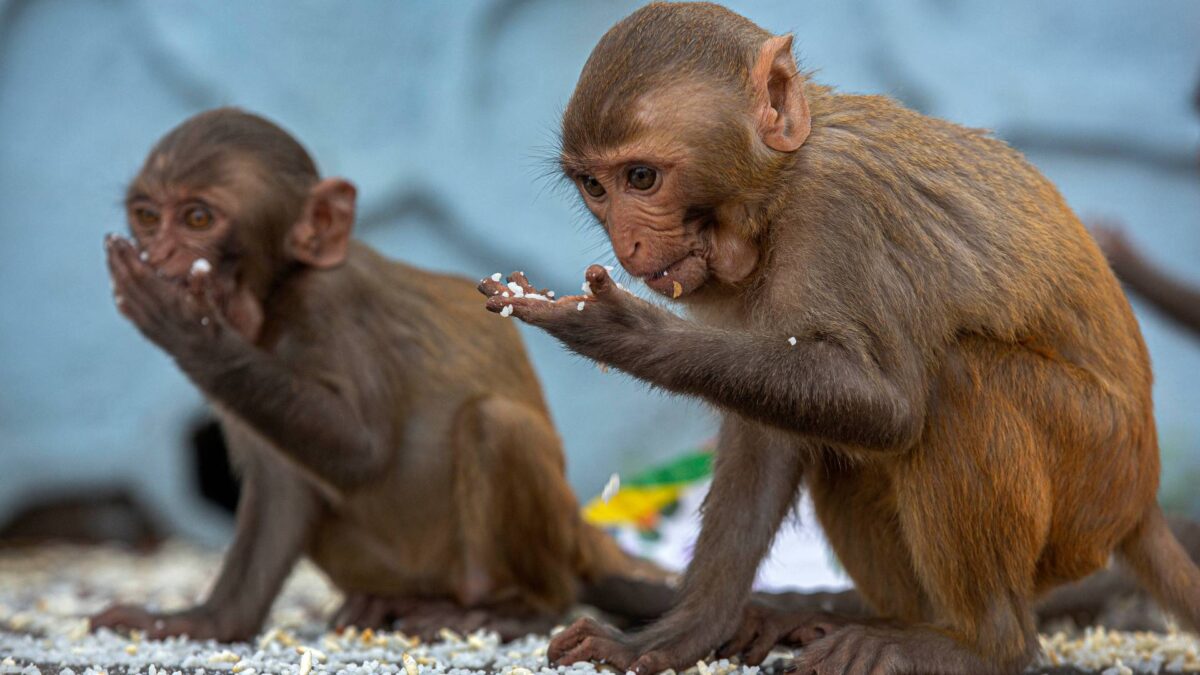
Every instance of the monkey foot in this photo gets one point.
(195, 623)
(426, 618)
(859, 648)
(589, 640)
(763, 628)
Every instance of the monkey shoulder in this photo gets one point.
(891, 142)
(411, 326)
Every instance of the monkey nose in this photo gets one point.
(627, 250)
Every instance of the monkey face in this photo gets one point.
(177, 228)
(637, 197)
(648, 198)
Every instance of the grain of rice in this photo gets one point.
(611, 488)
(201, 266)
(507, 310)
(792, 341)
(496, 277)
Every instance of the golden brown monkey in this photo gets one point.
(899, 313)
(381, 424)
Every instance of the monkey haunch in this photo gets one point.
(967, 396)
(381, 424)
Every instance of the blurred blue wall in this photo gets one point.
(444, 113)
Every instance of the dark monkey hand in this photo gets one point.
(603, 325)
(181, 317)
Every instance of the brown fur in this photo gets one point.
(968, 398)
(382, 425)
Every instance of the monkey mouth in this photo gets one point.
(682, 276)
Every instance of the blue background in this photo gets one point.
(444, 114)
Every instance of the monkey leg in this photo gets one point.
(868, 549)
(518, 519)
(517, 531)
(755, 480)
(274, 516)
(954, 532)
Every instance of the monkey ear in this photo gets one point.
(322, 235)
(783, 119)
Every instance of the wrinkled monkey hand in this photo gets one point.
(197, 623)
(180, 317)
(645, 653)
(608, 325)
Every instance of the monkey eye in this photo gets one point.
(642, 177)
(198, 218)
(591, 185)
(145, 217)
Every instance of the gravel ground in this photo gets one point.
(46, 593)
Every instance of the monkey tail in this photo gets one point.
(621, 583)
(1155, 556)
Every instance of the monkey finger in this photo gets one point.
(759, 649)
(119, 617)
(522, 281)
(652, 663)
(202, 294)
(493, 286)
(745, 635)
(373, 614)
(600, 282)
(521, 308)
(118, 267)
(351, 608)
(571, 637)
(130, 258)
(130, 297)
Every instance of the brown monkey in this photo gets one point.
(381, 425)
(898, 312)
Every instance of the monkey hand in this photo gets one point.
(646, 653)
(763, 627)
(180, 317)
(198, 623)
(603, 324)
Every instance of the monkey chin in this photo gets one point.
(680, 277)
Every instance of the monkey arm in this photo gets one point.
(818, 385)
(1177, 300)
(274, 517)
(755, 479)
(308, 420)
